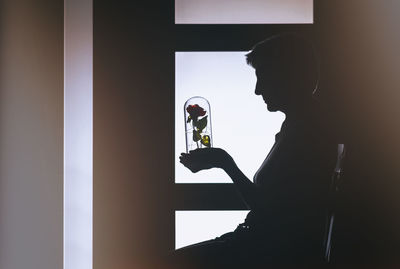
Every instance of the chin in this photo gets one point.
(272, 108)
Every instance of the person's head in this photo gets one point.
(286, 69)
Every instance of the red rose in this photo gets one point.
(195, 111)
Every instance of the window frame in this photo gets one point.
(218, 37)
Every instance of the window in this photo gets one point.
(238, 12)
(196, 226)
(228, 83)
(211, 40)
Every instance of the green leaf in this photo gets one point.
(205, 140)
(189, 119)
(201, 124)
(196, 135)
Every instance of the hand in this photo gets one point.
(206, 158)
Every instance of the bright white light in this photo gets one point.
(240, 11)
(241, 122)
(78, 134)
(197, 226)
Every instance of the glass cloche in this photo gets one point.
(198, 130)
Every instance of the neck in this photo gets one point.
(301, 109)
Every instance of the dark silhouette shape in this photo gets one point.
(288, 199)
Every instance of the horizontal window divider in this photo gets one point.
(228, 37)
(239, 27)
(214, 196)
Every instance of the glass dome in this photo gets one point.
(198, 130)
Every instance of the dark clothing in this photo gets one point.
(294, 182)
(289, 224)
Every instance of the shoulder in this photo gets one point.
(310, 133)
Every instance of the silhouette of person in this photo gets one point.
(287, 198)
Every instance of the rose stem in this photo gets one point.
(197, 142)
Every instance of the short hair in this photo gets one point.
(290, 54)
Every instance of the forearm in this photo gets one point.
(247, 189)
(207, 158)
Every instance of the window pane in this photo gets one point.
(239, 11)
(241, 122)
(197, 226)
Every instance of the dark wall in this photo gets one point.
(133, 132)
(134, 44)
(359, 47)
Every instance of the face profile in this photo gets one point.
(267, 86)
(286, 70)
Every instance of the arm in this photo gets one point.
(247, 189)
(202, 159)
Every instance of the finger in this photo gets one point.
(197, 152)
(184, 162)
(190, 167)
(184, 156)
(187, 161)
